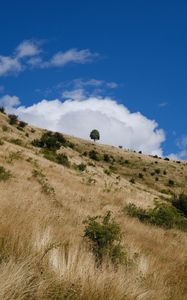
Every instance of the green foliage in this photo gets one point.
(163, 215)
(106, 157)
(105, 235)
(59, 158)
(94, 135)
(132, 180)
(171, 182)
(81, 167)
(180, 203)
(13, 119)
(62, 159)
(22, 124)
(4, 175)
(46, 188)
(5, 128)
(2, 110)
(94, 155)
(16, 142)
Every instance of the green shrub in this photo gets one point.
(62, 159)
(13, 119)
(4, 175)
(105, 236)
(16, 141)
(171, 182)
(140, 175)
(5, 128)
(163, 215)
(2, 110)
(50, 141)
(81, 167)
(22, 124)
(132, 180)
(94, 155)
(180, 203)
(106, 157)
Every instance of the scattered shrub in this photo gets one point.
(1, 142)
(140, 175)
(106, 157)
(171, 182)
(180, 203)
(2, 110)
(16, 142)
(157, 171)
(166, 158)
(50, 141)
(81, 167)
(4, 175)
(62, 159)
(5, 128)
(164, 172)
(163, 215)
(13, 119)
(132, 180)
(94, 155)
(105, 236)
(22, 124)
(107, 172)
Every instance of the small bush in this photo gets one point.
(2, 110)
(166, 158)
(16, 141)
(171, 182)
(94, 155)
(81, 167)
(5, 128)
(140, 175)
(105, 235)
(4, 175)
(164, 172)
(62, 159)
(1, 142)
(180, 203)
(13, 119)
(106, 157)
(132, 180)
(22, 124)
(157, 171)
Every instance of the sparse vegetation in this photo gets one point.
(4, 175)
(13, 119)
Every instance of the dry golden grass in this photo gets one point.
(43, 254)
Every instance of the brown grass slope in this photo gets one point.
(43, 254)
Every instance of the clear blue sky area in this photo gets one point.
(142, 47)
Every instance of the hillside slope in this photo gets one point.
(44, 199)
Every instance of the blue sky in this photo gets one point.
(132, 52)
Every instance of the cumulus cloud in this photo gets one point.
(28, 54)
(117, 125)
(9, 102)
(182, 153)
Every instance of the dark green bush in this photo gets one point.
(2, 110)
(180, 203)
(132, 180)
(140, 175)
(13, 119)
(171, 182)
(105, 236)
(163, 215)
(22, 124)
(16, 142)
(81, 167)
(62, 159)
(4, 175)
(106, 157)
(50, 141)
(94, 155)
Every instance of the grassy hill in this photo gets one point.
(50, 184)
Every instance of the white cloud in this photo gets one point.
(163, 104)
(8, 101)
(28, 54)
(60, 59)
(79, 94)
(27, 48)
(117, 125)
(9, 64)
